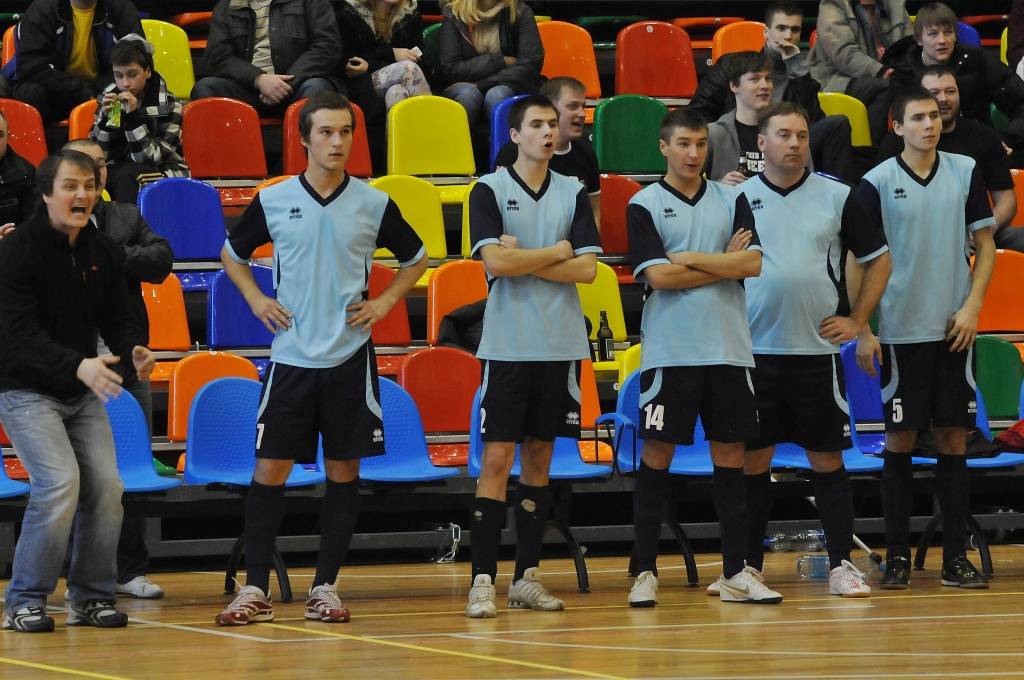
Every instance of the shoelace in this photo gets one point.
(535, 591)
(482, 593)
(248, 603)
(328, 599)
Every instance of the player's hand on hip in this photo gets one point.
(368, 312)
(508, 241)
(839, 329)
(143, 360)
(6, 229)
(869, 350)
(733, 178)
(104, 383)
(272, 313)
(739, 241)
(963, 328)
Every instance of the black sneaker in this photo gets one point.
(961, 573)
(28, 620)
(897, 574)
(98, 613)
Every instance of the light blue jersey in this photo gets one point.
(926, 222)
(695, 326)
(805, 230)
(529, 318)
(323, 251)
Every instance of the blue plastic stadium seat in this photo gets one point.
(134, 447)
(192, 282)
(1004, 459)
(499, 126)
(187, 213)
(10, 488)
(229, 321)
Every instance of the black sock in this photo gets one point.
(264, 506)
(897, 502)
(648, 501)
(487, 522)
(835, 507)
(532, 504)
(952, 486)
(338, 513)
(730, 494)
(759, 507)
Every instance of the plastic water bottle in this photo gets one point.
(808, 540)
(812, 567)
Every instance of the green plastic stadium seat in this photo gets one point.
(999, 375)
(626, 134)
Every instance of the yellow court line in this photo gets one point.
(449, 652)
(59, 669)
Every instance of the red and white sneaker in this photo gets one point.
(323, 604)
(249, 606)
(847, 580)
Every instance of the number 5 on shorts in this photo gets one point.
(655, 416)
(897, 410)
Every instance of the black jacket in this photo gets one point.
(304, 41)
(359, 40)
(146, 255)
(17, 188)
(981, 78)
(460, 62)
(44, 42)
(54, 300)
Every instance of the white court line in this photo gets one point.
(842, 606)
(223, 633)
(850, 676)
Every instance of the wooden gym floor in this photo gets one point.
(408, 623)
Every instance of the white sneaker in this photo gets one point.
(847, 580)
(644, 592)
(743, 587)
(140, 587)
(481, 599)
(529, 593)
(715, 588)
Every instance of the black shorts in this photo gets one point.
(672, 397)
(536, 399)
(341, 403)
(801, 399)
(926, 385)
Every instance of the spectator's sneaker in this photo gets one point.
(897, 574)
(529, 593)
(645, 590)
(714, 590)
(847, 580)
(251, 605)
(28, 620)
(140, 587)
(481, 599)
(744, 587)
(98, 613)
(323, 604)
(961, 573)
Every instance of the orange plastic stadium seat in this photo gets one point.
(569, 51)
(8, 47)
(442, 381)
(654, 58)
(590, 409)
(192, 373)
(25, 130)
(294, 154)
(1018, 189)
(168, 324)
(453, 285)
(221, 138)
(193, 19)
(738, 37)
(1001, 310)
(703, 26)
(81, 119)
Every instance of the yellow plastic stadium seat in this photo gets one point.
(629, 361)
(838, 104)
(467, 245)
(429, 135)
(541, 18)
(603, 296)
(453, 194)
(171, 56)
(1002, 46)
(421, 207)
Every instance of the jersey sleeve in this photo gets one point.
(863, 236)
(583, 234)
(978, 211)
(743, 218)
(399, 237)
(592, 178)
(485, 223)
(507, 155)
(250, 233)
(869, 204)
(645, 245)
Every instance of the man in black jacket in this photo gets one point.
(269, 53)
(17, 177)
(63, 56)
(61, 284)
(792, 82)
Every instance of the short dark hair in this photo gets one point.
(937, 71)
(739, 63)
(47, 171)
(786, 8)
(911, 94)
(552, 89)
(934, 14)
(77, 144)
(129, 51)
(781, 109)
(322, 100)
(682, 117)
(518, 110)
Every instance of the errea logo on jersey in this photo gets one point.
(512, 205)
(756, 204)
(972, 407)
(378, 436)
(899, 193)
(572, 418)
(295, 213)
(669, 213)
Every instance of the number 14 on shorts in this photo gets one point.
(654, 416)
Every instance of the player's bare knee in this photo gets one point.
(758, 461)
(342, 471)
(728, 454)
(900, 442)
(951, 440)
(271, 472)
(658, 455)
(824, 462)
(498, 460)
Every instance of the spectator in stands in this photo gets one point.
(64, 49)
(147, 257)
(791, 82)
(490, 50)
(143, 141)
(380, 42)
(981, 78)
(852, 37)
(969, 138)
(17, 180)
(574, 156)
(270, 69)
(52, 386)
(1015, 36)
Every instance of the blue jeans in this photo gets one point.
(68, 450)
(476, 102)
(214, 86)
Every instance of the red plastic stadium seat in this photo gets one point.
(703, 26)
(616, 191)
(221, 138)
(25, 130)
(654, 58)
(294, 160)
(393, 329)
(443, 381)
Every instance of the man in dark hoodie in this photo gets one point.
(17, 177)
(63, 56)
